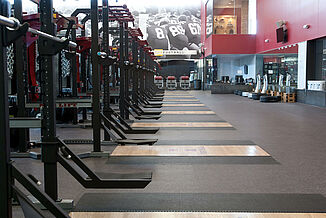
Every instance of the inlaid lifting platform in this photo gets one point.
(190, 150)
(183, 105)
(178, 96)
(187, 112)
(184, 124)
(179, 100)
(193, 215)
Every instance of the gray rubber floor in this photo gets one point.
(294, 135)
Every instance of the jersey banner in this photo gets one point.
(171, 26)
(173, 32)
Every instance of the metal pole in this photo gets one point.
(114, 70)
(83, 73)
(146, 72)
(74, 76)
(5, 178)
(122, 73)
(15, 24)
(106, 72)
(20, 71)
(51, 37)
(96, 120)
(126, 71)
(59, 79)
(142, 73)
(204, 73)
(48, 130)
(135, 72)
(152, 75)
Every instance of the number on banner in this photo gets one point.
(159, 33)
(174, 31)
(194, 28)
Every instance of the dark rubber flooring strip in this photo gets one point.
(184, 109)
(205, 142)
(201, 202)
(125, 175)
(147, 161)
(203, 108)
(197, 128)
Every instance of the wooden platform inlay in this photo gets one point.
(178, 96)
(183, 100)
(183, 105)
(192, 215)
(187, 112)
(183, 124)
(190, 151)
(177, 93)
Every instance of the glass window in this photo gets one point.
(320, 59)
(232, 17)
(275, 66)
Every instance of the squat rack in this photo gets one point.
(51, 145)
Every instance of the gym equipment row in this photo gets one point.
(130, 58)
(264, 95)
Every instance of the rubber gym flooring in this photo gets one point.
(269, 164)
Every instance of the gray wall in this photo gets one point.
(229, 66)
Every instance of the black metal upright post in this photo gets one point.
(83, 78)
(122, 73)
(151, 74)
(48, 130)
(126, 70)
(146, 72)
(83, 71)
(135, 71)
(106, 70)
(5, 189)
(114, 70)
(20, 71)
(74, 75)
(96, 120)
(142, 73)
(154, 69)
(60, 78)
(204, 79)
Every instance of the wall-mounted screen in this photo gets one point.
(280, 34)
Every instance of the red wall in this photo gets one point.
(233, 44)
(297, 13)
(226, 44)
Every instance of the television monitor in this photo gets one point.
(280, 35)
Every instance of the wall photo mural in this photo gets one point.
(172, 28)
